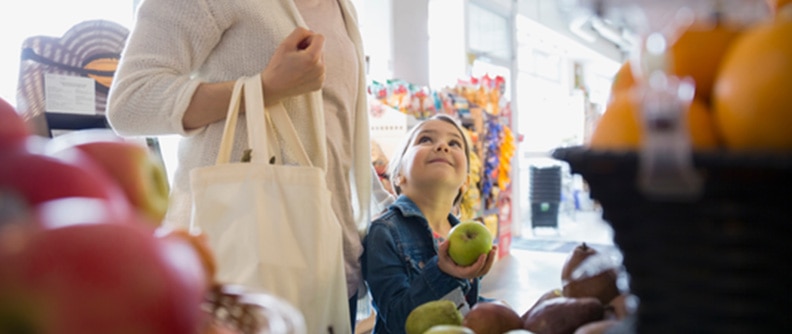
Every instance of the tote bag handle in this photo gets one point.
(257, 124)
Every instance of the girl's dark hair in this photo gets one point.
(396, 164)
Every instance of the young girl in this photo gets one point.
(406, 261)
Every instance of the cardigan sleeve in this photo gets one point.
(154, 84)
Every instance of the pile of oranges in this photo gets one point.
(743, 88)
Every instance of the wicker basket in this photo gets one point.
(718, 263)
(234, 309)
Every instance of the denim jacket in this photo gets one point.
(400, 266)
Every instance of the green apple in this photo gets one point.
(449, 329)
(467, 241)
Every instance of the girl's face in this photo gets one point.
(435, 157)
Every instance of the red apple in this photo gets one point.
(13, 129)
(130, 164)
(100, 278)
(492, 318)
(38, 178)
(67, 211)
(13, 207)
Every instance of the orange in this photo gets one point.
(752, 100)
(199, 243)
(698, 52)
(619, 129)
(775, 5)
(623, 79)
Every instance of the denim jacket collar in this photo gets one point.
(408, 208)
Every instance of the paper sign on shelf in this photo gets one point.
(69, 94)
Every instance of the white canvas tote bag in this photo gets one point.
(271, 226)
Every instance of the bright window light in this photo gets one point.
(48, 18)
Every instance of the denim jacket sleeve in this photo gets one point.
(397, 283)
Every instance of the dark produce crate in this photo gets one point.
(717, 263)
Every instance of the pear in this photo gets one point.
(492, 318)
(597, 327)
(554, 293)
(563, 315)
(602, 286)
(574, 259)
(430, 314)
(623, 305)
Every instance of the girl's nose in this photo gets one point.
(442, 147)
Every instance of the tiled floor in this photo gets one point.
(533, 266)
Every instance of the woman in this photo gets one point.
(180, 63)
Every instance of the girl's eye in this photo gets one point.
(424, 139)
(455, 143)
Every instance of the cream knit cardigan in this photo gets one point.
(177, 44)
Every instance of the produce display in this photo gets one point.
(752, 103)
(588, 301)
(129, 164)
(82, 249)
(736, 106)
(691, 161)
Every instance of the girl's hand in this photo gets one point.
(477, 269)
(297, 67)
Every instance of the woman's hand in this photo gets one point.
(297, 67)
(479, 268)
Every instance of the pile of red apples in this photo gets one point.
(82, 249)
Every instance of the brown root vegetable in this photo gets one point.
(563, 315)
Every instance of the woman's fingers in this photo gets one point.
(297, 67)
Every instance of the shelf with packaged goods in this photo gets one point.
(479, 107)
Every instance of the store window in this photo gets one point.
(489, 33)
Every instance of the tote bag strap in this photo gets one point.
(227, 140)
(257, 124)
